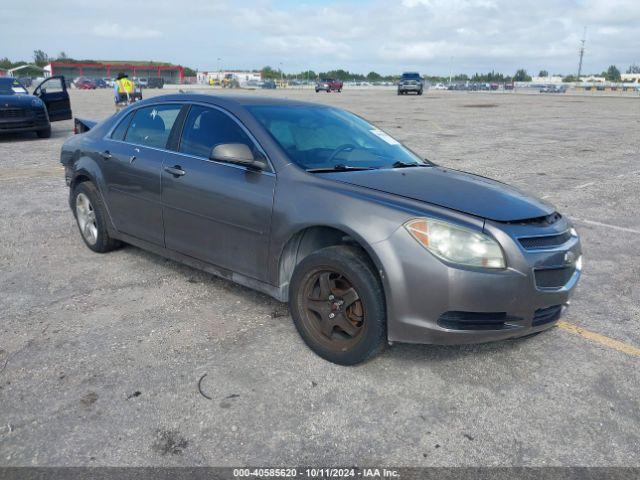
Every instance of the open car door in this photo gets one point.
(53, 92)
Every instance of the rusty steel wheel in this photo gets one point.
(337, 304)
(333, 310)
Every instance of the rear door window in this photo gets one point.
(152, 125)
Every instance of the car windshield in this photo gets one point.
(12, 87)
(411, 76)
(325, 138)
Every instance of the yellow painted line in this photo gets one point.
(601, 339)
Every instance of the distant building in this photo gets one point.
(26, 70)
(547, 80)
(241, 76)
(630, 77)
(169, 73)
(592, 79)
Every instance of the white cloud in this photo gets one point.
(358, 35)
(115, 30)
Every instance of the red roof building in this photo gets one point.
(170, 73)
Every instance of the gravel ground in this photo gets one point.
(100, 355)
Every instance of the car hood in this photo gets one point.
(452, 189)
(15, 100)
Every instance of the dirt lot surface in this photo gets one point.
(100, 355)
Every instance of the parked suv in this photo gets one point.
(328, 85)
(410, 82)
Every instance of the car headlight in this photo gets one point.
(457, 244)
(36, 102)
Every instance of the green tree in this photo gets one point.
(521, 76)
(633, 68)
(543, 73)
(40, 58)
(268, 73)
(374, 76)
(613, 74)
(570, 78)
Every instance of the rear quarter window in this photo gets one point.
(121, 129)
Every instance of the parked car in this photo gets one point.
(508, 86)
(84, 83)
(155, 82)
(328, 85)
(100, 83)
(268, 84)
(313, 205)
(439, 86)
(21, 112)
(553, 89)
(410, 82)
(141, 82)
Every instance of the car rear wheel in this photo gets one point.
(337, 304)
(44, 133)
(91, 218)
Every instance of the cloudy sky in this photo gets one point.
(430, 36)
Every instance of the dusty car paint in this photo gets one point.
(254, 227)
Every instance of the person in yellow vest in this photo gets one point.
(124, 89)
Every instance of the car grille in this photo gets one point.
(553, 277)
(534, 243)
(546, 315)
(12, 112)
(475, 320)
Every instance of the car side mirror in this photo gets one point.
(238, 153)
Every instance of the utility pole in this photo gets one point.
(450, 69)
(582, 42)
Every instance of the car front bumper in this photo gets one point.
(429, 301)
(409, 88)
(30, 122)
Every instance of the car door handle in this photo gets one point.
(176, 170)
(106, 155)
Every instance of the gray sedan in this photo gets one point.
(314, 206)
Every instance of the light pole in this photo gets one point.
(450, 69)
(281, 74)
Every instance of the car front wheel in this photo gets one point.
(91, 218)
(337, 303)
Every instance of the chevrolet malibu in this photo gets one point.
(314, 206)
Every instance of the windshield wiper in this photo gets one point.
(407, 165)
(339, 168)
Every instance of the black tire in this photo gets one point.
(352, 267)
(44, 133)
(103, 243)
(420, 92)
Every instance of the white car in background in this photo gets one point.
(439, 86)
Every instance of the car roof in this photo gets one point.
(235, 100)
